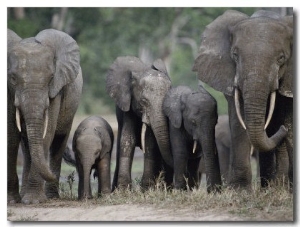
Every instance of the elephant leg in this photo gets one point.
(282, 163)
(168, 176)
(13, 141)
(26, 165)
(34, 188)
(152, 160)
(79, 169)
(193, 167)
(126, 146)
(103, 166)
(288, 122)
(180, 156)
(240, 174)
(57, 148)
(224, 154)
(267, 167)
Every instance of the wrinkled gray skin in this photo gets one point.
(192, 117)
(92, 144)
(138, 91)
(255, 56)
(44, 86)
(223, 143)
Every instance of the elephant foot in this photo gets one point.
(34, 198)
(13, 198)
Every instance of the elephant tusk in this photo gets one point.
(144, 127)
(237, 107)
(271, 109)
(45, 124)
(251, 150)
(18, 121)
(195, 146)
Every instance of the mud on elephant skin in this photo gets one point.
(138, 91)
(240, 57)
(192, 119)
(44, 87)
(92, 145)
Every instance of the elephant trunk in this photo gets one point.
(255, 103)
(34, 132)
(160, 129)
(86, 180)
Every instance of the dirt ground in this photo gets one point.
(81, 211)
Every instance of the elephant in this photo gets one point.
(192, 119)
(240, 57)
(223, 143)
(92, 145)
(138, 91)
(44, 81)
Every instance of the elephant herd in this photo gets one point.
(248, 59)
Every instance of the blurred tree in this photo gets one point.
(103, 34)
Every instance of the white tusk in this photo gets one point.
(18, 119)
(237, 107)
(251, 150)
(195, 146)
(144, 127)
(271, 109)
(45, 124)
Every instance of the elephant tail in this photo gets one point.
(69, 157)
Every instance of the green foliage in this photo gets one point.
(103, 34)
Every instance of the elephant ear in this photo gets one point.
(12, 39)
(172, 104)
(214, 65)
(159, 65)
(67, 58)
(119, 78)
(286, 85)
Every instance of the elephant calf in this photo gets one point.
(192, 120)
(92, 145)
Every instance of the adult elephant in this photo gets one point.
(192, 119)
(44, 87)
(138, 91)
(92, 145)
(250, 60)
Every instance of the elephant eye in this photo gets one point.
(281, 59)
(144, 101)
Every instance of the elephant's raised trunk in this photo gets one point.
(255, 103)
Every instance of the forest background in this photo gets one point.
(103, 34)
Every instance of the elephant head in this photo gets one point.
(135, 86)
(38, 68)
(251, 56)
(188, 108)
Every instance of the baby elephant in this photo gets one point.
(92, 144)
(192, 119)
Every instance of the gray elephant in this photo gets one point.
(138, 91)
(92, 144)
(240, 57)
(44, 83)
(192, 119)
